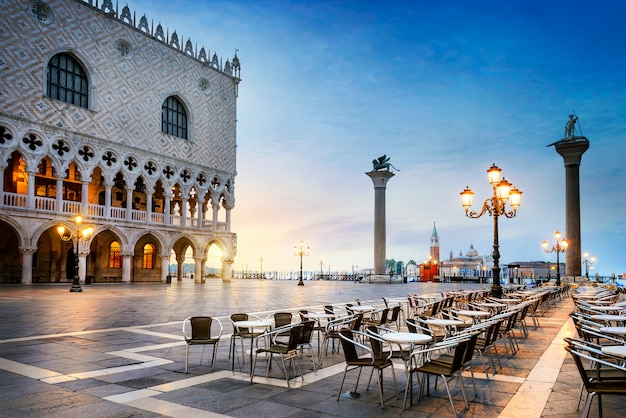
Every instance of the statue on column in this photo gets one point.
(570, 126)
(382, 163)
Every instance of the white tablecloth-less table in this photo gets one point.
(604, 308)
(406, 338)
(475, 315)
(251, 325)
(615, 350)
(614, 330)
(611, 318)
(363, 308)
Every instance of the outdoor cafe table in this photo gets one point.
(251, 325)
(362, 308)
(606, 308)
(404, 302)
(615, 350)
(475, 315)
(444, 322)
(614, 330)
(492, 306)
(410, 338)
(509, 300)
(318, 316)
(615, 318)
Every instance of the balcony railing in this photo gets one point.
(49, 205)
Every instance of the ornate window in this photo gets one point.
(115, 255)
(148, 256)
(174, 118)
(67, 81)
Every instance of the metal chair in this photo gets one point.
(421, 363)
(375, 359)
(603, 378)
(197, 331)
(287, 351)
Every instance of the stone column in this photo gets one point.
(572, 151)
(380, 179)
(127, 262)
(227, 269)
(165, 267)
(27, 265)
(199, 276)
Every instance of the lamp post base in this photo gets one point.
(76, 288)
(76, 285)
(300, 283)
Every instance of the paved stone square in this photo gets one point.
(116, 350)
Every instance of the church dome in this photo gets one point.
(471, 252)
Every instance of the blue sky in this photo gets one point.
(443, 88)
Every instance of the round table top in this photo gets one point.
(615, 350)
(406, 337)
(318, 315)
(609, 317)
(252, 323)
(362, 308)
(606, 308)
(444, 322)
(508, 300)
(614, 330)
(474, 313)
(492, 305)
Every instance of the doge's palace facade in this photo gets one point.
(112, 117)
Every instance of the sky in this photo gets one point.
(445, 89)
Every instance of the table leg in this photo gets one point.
(251, 345)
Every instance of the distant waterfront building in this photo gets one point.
(470, 264)
(123, 122)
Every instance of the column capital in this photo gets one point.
(572, 150)
(380, 178)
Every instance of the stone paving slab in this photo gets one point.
(117, 350)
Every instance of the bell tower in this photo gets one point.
(434, 245)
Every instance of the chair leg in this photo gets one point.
(253, 366)
(445, 382)
(186, 357)
(460, 379)
(213, 359)
(379, 376)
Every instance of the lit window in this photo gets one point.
(148, 256)
(67, 81)
(115, 255)
(174, 118)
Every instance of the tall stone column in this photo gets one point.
(572, 149)
(380, 179)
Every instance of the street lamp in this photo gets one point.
(560, 247)
(77, 235)
(588, 262)
(301, 251)
(495, 206)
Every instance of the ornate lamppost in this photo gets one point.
(495, 206)
(560, 247)
(588, 262)
(301, 251)
(76, 235)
